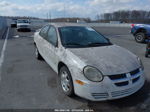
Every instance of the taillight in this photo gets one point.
(132, 25)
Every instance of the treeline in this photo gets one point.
(67, 19)
(135, 16)
(20, 17)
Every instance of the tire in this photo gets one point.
(66, 82)
(12, 26)
(37, 54)
(140, 37)
(146, 54)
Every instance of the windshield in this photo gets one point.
(76, 36)
(22, 21)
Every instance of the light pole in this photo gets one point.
(50, 15)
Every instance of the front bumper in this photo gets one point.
(23, 27)
(26, 28)
(107, 90)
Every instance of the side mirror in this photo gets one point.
(38, 30)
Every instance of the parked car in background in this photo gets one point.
(81, 21)
(141, 32)
(14, 23)
(87, 63)
(23, 25)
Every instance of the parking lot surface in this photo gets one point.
(1, 45)
(27, 83)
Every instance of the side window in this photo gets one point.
(43, 32)
(52, 36)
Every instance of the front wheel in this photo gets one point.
(18, 30)
(66, 81)
(140, 37)
(146, 54)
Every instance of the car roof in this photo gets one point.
(66, 24)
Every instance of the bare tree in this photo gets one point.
(139, 16)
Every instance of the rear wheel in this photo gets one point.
(66, 81)
(140, 37)
(37, 54)
(12, 26)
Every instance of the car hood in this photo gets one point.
(23, 24)
(143, 25)
(110, 60)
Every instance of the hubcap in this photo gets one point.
(139, 37)
(65, 81)
(36, 52)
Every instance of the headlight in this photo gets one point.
(92, 74)
(140, 63)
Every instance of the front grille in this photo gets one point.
(100, 95)
(23, 26)
(122, 83)
(134, 72)
(136, 79)
(123, 92)
(119, 76)
(124, 79)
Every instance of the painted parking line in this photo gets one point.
(3, 52)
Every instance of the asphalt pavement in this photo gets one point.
(29, 84)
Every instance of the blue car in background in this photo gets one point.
(141, 32)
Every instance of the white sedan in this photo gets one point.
(87, 63)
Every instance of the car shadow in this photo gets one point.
(131, 103)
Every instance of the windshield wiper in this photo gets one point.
(98, 44)
(73, 44)
(86, 45)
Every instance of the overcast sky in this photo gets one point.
(71, 8)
